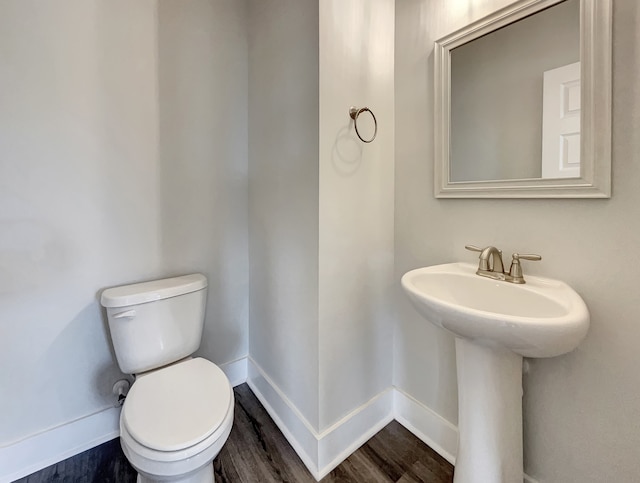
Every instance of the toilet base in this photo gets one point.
(203, 475)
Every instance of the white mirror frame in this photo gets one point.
(595, 140)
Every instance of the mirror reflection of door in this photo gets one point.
(561, 122)
(496, 96)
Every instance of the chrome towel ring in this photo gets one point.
(354, 112)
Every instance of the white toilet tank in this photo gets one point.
(156, 323)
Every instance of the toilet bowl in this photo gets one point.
(175, 420)
(179, 411)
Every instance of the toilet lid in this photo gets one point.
(178, 406)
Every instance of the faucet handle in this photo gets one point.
(532, 257)
(515, 271)
(474, 248)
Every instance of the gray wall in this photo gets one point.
(581, 410)
(284, 196)
(356, 206)
(203, 74)
(122, 158)
(321, 202)
(78, 198)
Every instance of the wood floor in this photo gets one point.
(256, 451)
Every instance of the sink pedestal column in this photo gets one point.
(489, 414)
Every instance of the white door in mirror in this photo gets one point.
(561, 122)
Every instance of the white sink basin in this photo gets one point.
(496, 323)
(542, 318)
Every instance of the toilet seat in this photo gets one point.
(170, 464)
(219, 436)
(210, 414)
(177, 407)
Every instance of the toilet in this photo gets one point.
(179, 411)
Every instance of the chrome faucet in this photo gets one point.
(491, 266)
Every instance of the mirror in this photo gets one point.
(523, 103)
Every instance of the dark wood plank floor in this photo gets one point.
(103, 464)
(256, 451)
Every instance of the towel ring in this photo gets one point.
(354, 112)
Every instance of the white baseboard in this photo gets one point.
(294, 426)
(426, 425)
(236, 371)
(320, 452)
(336, 443)
(56, 444)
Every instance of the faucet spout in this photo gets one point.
(490, 264)
(491, 261)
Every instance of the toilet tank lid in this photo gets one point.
(141, 293)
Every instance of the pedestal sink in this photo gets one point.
(496, 323)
